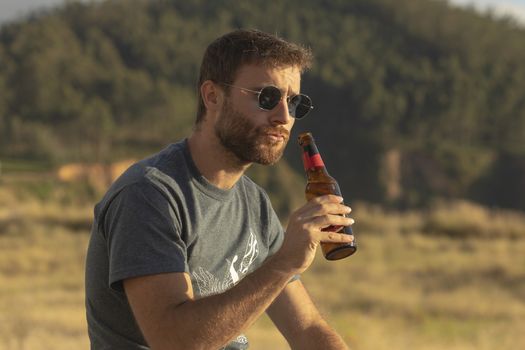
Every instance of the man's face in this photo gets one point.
(254, 135)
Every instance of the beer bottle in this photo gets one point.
(321, 183)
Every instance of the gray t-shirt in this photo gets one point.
(163, 216)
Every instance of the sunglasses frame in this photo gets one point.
(288, 99)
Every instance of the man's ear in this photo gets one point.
(212, 96)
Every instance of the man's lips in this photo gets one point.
(277, 134)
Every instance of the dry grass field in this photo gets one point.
(452, 277)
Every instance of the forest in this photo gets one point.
(415, 101)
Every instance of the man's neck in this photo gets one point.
(219, 166)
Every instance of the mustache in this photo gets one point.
(281, 131)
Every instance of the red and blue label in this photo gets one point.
(312, 158)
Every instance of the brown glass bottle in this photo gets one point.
(321, 183)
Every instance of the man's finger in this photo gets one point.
(332, 220)
(319, 209)
(327, 198)
(334, 237)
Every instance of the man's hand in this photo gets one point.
(304, 232)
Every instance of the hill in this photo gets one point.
(414, 100)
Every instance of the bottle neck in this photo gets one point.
(312, 160)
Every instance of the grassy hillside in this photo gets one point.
(447, 278)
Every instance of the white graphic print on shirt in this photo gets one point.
(208, 284)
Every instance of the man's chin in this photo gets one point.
(262, 153)
(269, 158)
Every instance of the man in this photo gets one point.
(186, 252)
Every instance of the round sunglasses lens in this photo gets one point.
(299, 106)
(269, 97)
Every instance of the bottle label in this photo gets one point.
(312, 158)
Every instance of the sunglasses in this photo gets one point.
(270, 96)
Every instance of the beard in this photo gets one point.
(248, 143)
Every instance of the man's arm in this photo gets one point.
(170, 318)
(297, 318)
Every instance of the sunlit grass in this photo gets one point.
(418, 280)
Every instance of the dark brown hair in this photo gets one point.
(225, 55)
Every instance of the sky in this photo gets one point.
(13, 9)
(515, 8)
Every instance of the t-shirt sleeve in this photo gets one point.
(143, 235)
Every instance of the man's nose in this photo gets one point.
(280, 113)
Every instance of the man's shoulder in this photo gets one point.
(257, 195)
(158, 172)
(167, 166)
(167, 159)
(252, 187)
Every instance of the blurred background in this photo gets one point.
(419, 114)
